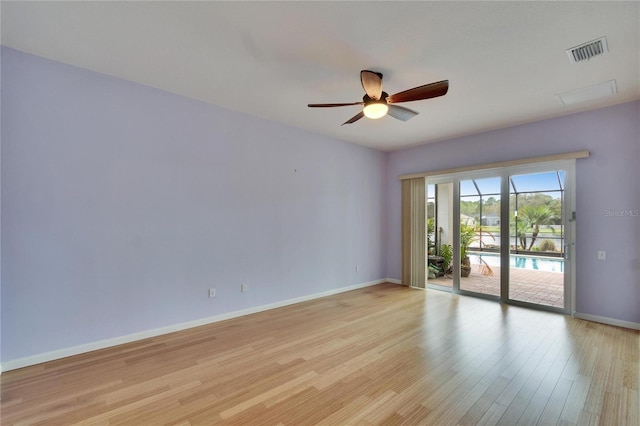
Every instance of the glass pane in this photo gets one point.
(537, 239)
(489, 185)
(537, 182)
(480, 238)
(467, 188)
(431, 219)
(536, 222)
(431, 190)
(440, 220)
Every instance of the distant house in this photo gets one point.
(467, 220)
(490, 220)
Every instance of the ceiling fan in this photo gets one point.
(377, 103)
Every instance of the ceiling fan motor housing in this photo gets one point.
(367, 99)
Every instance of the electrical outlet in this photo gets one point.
(602, 255)
(243, 288)
(212, 292)
(357, 269)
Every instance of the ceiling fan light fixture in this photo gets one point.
(375, 110)
(377, 103)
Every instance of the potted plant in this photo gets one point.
(446, 251)
(467, 235)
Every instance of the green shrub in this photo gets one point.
(446, 251)
(547, 245)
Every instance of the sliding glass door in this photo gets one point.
(480, 235)
(504, 234)
(537, 213)
(440, 226)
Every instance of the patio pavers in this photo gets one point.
(526, 285)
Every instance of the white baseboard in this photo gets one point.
(102, 344)
(609, 321)
(393, 281)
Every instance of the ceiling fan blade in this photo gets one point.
(401, 113)
(371, 83)
(427, 91)
(355, 118)
(333, 105)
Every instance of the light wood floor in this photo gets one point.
(381, 355)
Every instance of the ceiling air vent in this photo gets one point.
(586, 51)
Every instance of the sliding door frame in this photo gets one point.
(568, 165)
(568, 222)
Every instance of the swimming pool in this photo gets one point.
(524, 262)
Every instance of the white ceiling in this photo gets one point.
(505, 61)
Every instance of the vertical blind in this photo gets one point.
(414, 232)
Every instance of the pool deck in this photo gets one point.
(527, 285)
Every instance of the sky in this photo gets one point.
(538, 182)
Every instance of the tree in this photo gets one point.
(521, 226)
(469, 208)
(533, 216)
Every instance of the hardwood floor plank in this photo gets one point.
(493, 415)
(629, 413)
(480, 407)
(553, 410)
(291, 387)
(382, 355)
(610, 408)
(575, 399)
(534, 410)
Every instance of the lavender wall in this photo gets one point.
(608, 180)
(122, 205)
